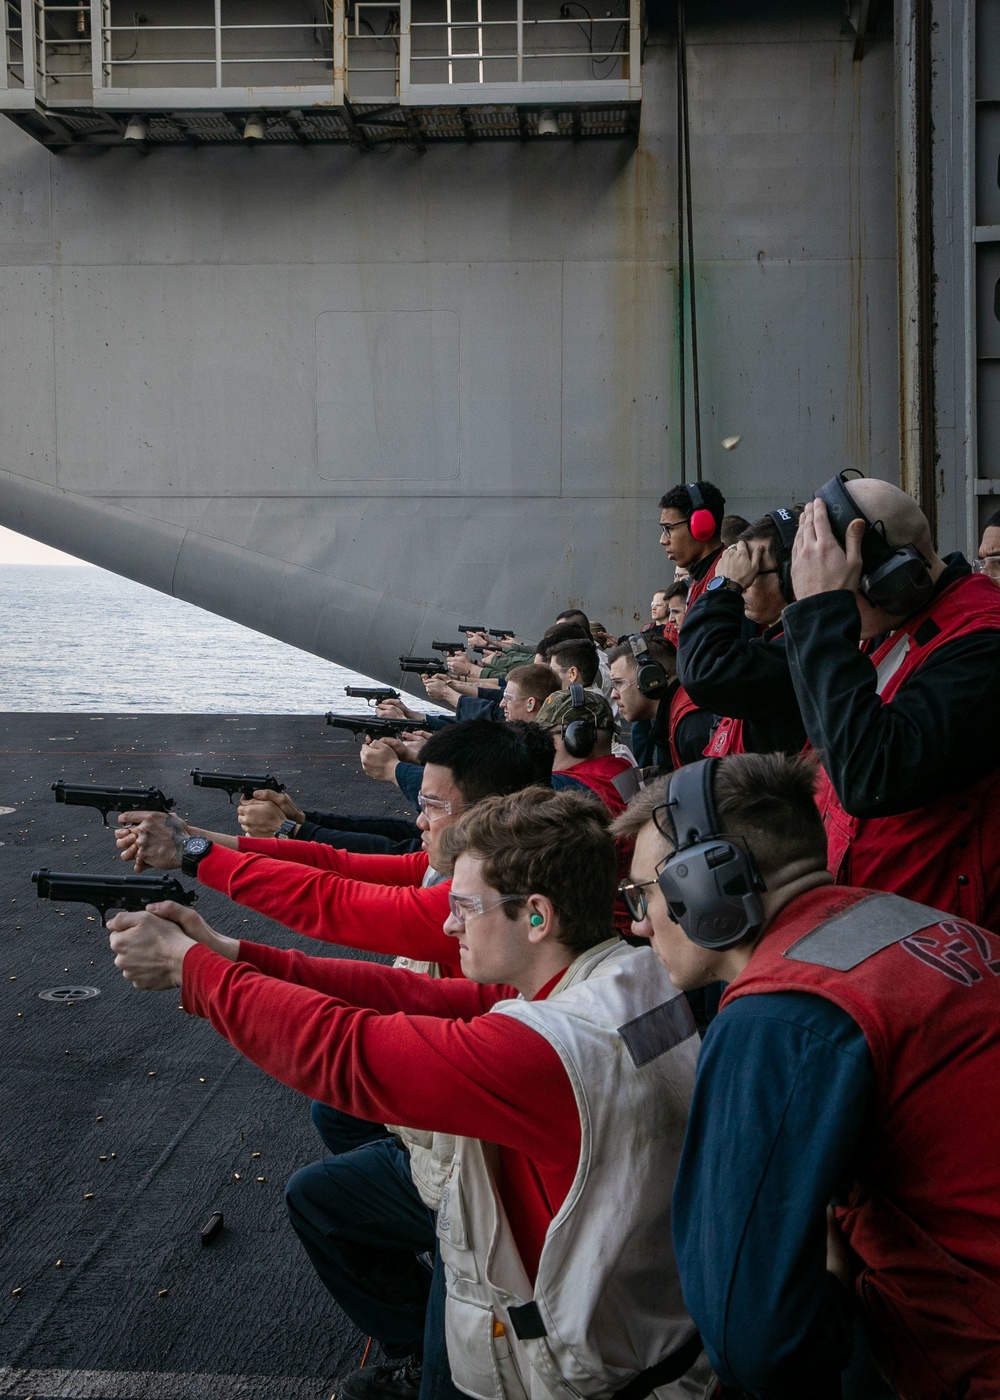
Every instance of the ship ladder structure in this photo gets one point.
(86, 73)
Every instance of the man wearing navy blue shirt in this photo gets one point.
(835, 1162)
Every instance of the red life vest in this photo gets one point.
(681, 705)
(924, 1215)
(697, 586)
(598, 774)
(726, 738)
(946, 854)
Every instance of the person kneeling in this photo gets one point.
(850, 1065)
(563, 1061)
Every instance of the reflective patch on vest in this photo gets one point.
(629, 783)
(891, 662)
(527, 1322)
(655, 1032)
(861, 931)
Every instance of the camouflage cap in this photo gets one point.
(559, 709)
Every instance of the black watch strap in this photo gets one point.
(193, 852)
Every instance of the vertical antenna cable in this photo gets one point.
(681, 337)
(689, 210)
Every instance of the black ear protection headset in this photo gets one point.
(896, 580)
(579, 732)
(701, 521)
(786, 522)
(651, 678)
(709, 881)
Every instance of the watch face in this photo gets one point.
(715, 583)
(196, 846)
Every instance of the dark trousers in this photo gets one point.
(365, 1229)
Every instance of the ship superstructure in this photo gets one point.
(342, 319)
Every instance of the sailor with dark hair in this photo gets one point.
(575, 618)
(691, 518)
(575, 615)
(575, 662)
(746, 682)
(559, 632)
(852, 1060)
(676, 598)
(392, 904)
(909, 794)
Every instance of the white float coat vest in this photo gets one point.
(607, 1302)
(431, 1154)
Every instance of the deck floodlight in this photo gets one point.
(547, 124)
(136, 130)
(254, 129)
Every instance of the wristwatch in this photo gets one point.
(193, 852)
(286, 830)
(715, 584)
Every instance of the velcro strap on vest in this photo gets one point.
(655, 1032)
(665, 1371)
(528, 1326)
(627, 784)
(863, 930)
(526, 1321)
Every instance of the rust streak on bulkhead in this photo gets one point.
(638, 285)
(857, 448)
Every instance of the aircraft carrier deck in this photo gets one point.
(128, 1123)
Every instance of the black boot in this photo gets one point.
(396, 1380)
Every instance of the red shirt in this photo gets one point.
(398, 1047)
(358, 901)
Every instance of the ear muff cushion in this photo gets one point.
(702, 525)
(701, 521)
(579, 733)
(709, 882)
(651, 678)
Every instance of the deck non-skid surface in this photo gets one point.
(126, 1122)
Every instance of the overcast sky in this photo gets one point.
(18, 549)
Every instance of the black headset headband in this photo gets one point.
(695, 497)
(786, 522)
(690, 805)
(709, 881)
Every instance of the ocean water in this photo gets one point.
(78, 638)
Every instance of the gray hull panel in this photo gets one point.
(353, 399)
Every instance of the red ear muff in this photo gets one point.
(701, 521)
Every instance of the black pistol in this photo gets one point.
(449, 648)
(374, 727)
(468, 627)
(423, 666)
(104, 892)
(244, 783)
(112, 799)
(373, 694)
